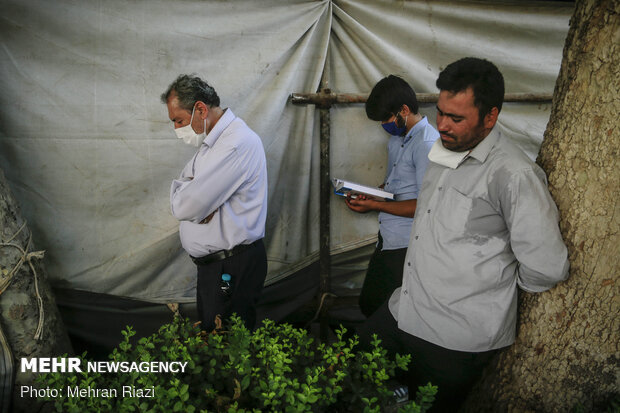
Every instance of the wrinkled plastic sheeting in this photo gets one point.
(90, 153)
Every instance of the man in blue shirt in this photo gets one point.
(393, 103)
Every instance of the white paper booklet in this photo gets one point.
(344, 188)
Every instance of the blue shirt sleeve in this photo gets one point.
(420, 160)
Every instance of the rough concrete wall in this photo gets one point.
(567, 350)
(19, 308)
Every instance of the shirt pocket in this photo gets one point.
(392, 184)
(453, 212)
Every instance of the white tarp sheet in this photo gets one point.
(89, 152)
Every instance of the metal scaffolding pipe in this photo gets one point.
(324, 208)
(326, 98)
(324, 232)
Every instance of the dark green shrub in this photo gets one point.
(277, 368)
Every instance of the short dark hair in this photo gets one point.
(482, 76)
(190, 89)
(388, 96)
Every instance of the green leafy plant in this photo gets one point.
(276, 368)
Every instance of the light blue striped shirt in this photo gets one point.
(407, 162)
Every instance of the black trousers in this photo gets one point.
(384, 275)
(454, 372)
(248, 270)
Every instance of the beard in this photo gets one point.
(464, 142)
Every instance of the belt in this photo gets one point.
(223, 254)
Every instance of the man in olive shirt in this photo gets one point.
(485, 224)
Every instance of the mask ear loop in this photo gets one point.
(191, 119)
(204, 124)
(401, 116)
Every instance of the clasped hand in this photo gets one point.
(208, 219)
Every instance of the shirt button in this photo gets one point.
(429, 211)
(394, 164)
(416, 237)
(409, 264)
(405, 292)
(440, 188)
(402, 146)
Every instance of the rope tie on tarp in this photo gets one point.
(26, 256)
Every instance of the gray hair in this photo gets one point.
(190, 89)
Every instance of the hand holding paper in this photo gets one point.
(361, 203)
(352, 190)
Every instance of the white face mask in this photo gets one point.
(446, 157)
(188, 135)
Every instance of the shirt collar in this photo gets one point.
(422, 123)
(223, 122)
(442, 156)
(482, 150)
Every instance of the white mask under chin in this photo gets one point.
(189, 136)
(445, 157)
